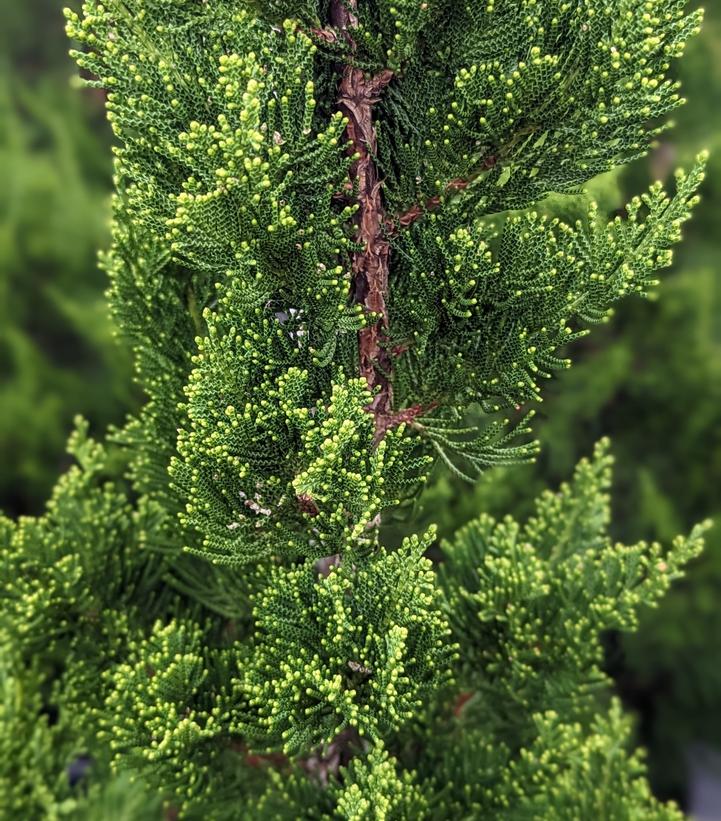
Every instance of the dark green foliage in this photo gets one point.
(374, 788)
(359, 648)
(72, 586)
(548, 279)
(671, 668)
(154, 302)
(568, 770)
(528, 605)
(547, 94)
(267, 499)
(233, 198)
(207, 603)
(83, 559)
(32, 778)
(651, 380)
(161, 706)
(558, 582)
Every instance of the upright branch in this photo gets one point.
(356, 98)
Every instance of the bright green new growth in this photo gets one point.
(533, 598)
(357, 649)
(314, 262)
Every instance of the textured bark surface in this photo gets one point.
(371, 265)
(357, 95)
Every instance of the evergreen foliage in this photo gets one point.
(537, 576)
(320, 282)
(679, 644)
(657, 394)
(357, 649)
(57, 354)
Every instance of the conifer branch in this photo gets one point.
(418, 210)
(326, 35)
(257, 182)
(401, 417)
(357, 96)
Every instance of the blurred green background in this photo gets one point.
(57, 355)
(651, 379)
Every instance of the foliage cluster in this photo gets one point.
(207, 602)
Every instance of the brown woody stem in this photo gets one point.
(401, 417)
(357, 95)
(415, 212)
(326, 35)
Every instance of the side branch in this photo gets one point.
(401, 417)
(326, 35)
(415, 212)
(419, 210)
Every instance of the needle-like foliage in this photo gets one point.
(333, 264)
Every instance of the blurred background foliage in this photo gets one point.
(651, 379)
(57, 355)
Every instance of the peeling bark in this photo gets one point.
(357, 96)
(371, 265)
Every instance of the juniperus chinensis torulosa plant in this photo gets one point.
(315, 264)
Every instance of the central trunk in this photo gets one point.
(358, 93)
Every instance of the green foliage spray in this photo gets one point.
(328, 261)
